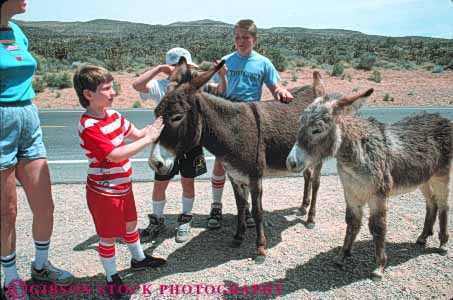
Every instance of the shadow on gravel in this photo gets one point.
(208, 249)
(320, 274)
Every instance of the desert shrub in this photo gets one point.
(293, 75)
(366, 62)
(437, 69)
(116, 87)
(58, 80)
(338, 69)
(387, 98)
(137, 104)
(408, 65)
(300, 63)
(427, 66)
(38, 85)
(278, 59)
(376, 76)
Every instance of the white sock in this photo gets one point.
(132, 240)
(107, 256)
(158, 207)
(187, 205)
(9, 268)
(41, 254)
(217, 183)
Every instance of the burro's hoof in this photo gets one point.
(443, 250)
(259, 259)
(377, 275)
(310, 225)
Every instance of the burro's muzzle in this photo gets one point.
(297, 160)
(160, 160)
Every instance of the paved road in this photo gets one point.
(68, 163)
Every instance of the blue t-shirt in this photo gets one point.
(246, 75)
(17, 66)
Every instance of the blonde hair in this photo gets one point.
(248, 25)
(89, 77)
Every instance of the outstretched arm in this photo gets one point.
(149, 135)
(280, 93)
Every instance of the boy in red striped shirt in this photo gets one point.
(110, 198)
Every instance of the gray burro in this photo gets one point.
(376, 161)
(252, 140)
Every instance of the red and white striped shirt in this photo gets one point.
(99, 137)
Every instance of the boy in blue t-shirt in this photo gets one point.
(246, 71)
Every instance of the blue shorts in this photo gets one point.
(20, 133)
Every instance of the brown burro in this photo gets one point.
(251, 139)
(376, 161)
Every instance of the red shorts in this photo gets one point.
(110, 214)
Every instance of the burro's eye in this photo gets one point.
(176, 118)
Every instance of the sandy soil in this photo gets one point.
(407, 88)
(299, 260)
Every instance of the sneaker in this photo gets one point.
(15, 290)
(183, 233)
(155, 227)
(215, 216)
(51, 274)
(249, 221)
(148, 262)
(116, 288)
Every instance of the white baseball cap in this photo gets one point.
(173, 55)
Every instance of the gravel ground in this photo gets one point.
(299, 264)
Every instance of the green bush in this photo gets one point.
(137, 104)
(376, 76)
(387, 98)
(293, 75)
(278, 59)
(116, 87)
(437, 69)
(366, 62)
(58, 80)
(38, 85)
(338, 69)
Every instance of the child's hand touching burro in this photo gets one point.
(152, 132)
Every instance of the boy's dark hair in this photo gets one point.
(89, 77)
(248, 25)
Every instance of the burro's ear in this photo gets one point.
(203, 77)
(352, 103)
(181, 73)
(318, 85)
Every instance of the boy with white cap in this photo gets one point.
(189, 167)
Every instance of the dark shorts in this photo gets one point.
(190, 166)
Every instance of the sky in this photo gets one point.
(432, 18)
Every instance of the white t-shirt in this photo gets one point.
(156, 90)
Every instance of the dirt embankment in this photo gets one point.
(404, 88)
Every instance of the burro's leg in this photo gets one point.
(441, 191)
(377, 223)
(431, 213)
(240, 194)
(353, 218)
(315, 187)
(256, 192)
(307, 191)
